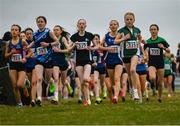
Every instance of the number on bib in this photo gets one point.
(167, 67)
(131, 45)
(99, 61)
(41, 51)
(95, 58)
(115, 49)
(81, 45)
(154, 51)
(16, 58)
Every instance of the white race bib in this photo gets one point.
(116, 49)
(95, 58)
(81, 45)
(131, 44)
(41, 50)
(154, 51)
(16, 58)
(99, 61)
(167, 67)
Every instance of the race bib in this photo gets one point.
(131, 44)
(81, 45)
(16, 58)
(41, 50)
(154, 51)
(115, 49)
(167, 67)
(99, 61)
(95, 58)
(101, 54)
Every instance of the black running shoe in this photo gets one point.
(38, 102)
(79, 101)
(147, 99)
(123, 99)
(33, 104)
(159, 100)
(54, 101)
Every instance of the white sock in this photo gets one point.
(147, 93)
(20, 104)
(56, 95)
(39, 98)
(136, 93)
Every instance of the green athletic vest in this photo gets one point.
(158, 40)
(167, 66)
(130, 47)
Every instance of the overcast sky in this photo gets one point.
(98, 13)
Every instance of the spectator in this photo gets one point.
(6, 37)
(178, 58)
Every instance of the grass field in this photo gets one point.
(71, 113)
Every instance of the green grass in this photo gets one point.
(69, 112)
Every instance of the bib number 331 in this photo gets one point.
(131, 45)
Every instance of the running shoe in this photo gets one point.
(54, 101)
(98, 100)
(85, 103)
(19, 105)
(38, 102)
(115, 100)
(159, 100)
(80, 101)
(33, 104)
(123, 99)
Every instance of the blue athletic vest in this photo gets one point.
(112, 58)
(18, 47)
(42, 37)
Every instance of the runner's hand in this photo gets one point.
(160, 45)
(44, 44)
(55, 49)
(126, 37)
(13, 51)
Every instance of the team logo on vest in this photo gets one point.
(86, 39)
(109, 40)
(44, 36)
(18, 46)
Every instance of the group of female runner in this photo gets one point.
(121, 59)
